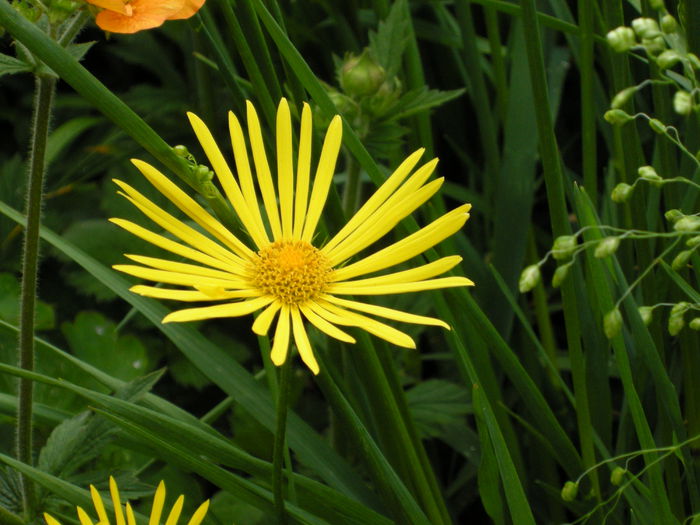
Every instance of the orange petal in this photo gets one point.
(146, 14)
(189, 9)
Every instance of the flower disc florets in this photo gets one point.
(292, 271)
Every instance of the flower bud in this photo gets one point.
(673, 215)
(617, 476)
(617, 117)
(181, 151)
(361, 76)
(675, 320)
(646, 27)
(529, 278)
(689, 223)
(612, 323)
(563, 247)
(683, 102)
(667, 59)
(657, 5)
(694, 324)
(621, 193)
(694, 60)
(680, 261)
(385, 97)
(646, 313)
(606, 247)
(657, 126)
(569, 491)
(655, 45)
(623, 97)
(693, 241)
(649, 174)
(203, 174)
(621, 39)
(560, 274)
(669, 25)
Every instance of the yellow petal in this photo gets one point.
(302, 341)
(179, 267)
(384, 220)
(325, 326)
(175, 511)
(99, 506)
(228, 182)
(419, 273)
(383, 311)
(177, 227)
(211, 294)
(190, 207)
(183, 279)
(285, 167)
(348, 288)
(379, 196)
(324, 177)
(199, 514)
(262, 170)
(50, 520)
(83, 517)
(280, 344)
(407, 247)
(130, 518)
(220, 310)
(157, 508)
(177, 248)
(301, 195)
(262, 323)
(118, 512)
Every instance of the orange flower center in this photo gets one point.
(292, 271)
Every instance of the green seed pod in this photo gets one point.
(646, 27)
(617, 117)
(361, 76)
(621, 193)
(694, 324)
(680, 261)
(646, 313)
(693, 241)
(621, 39)
(669, 25)
(676, 322)
(689, 223)
(667, 59)
(606, 247)
(623, 97)
(563, 247)
(560, 274)
(673, 215)
(569, 491)
(529, 278)
(657, 126)
(617, 476)
(612, 323)
(683, 102)
(649, 174)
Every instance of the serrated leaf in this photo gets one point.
(10, 490)
(421, 99)
(435, 403)
(11, 65)
(388, 43)
(78, 51)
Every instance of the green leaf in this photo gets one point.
(79, 50)
(9, 304)
(389, 42)
(65, 134)
(10, 66)
(436, 403)
(421, 99)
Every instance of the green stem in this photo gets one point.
(7, 518)
(30, 258)
(352, 187)
(280, 445)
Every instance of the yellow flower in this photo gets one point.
(284, 274)
(130, 16)
(125, 515)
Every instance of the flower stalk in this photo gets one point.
(280, 440)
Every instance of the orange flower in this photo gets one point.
(119, 16)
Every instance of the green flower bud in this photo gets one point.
(569, 491)
(606, 247)
(385, 97)
(657, 5)
(694, 324)
(646, 27)
(649, 174)
(621, 193)
(683, 102)
(655, 45)
(657, 126)
(617, 117)
(612, 323)
(689, 223)
(564, 247)
(673, 215)
(623, 97)
(617, 476)
(560, 274)
(680, 261)
(667, 59)
(646, 313)
(181, 151)
(529, 278)
(693, 59)
(675, 320)
(621, 39)
(669, 25)
(203, 174)
(361, 76)
(693, 241)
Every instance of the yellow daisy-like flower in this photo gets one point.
(125, 515)
(283, 273)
